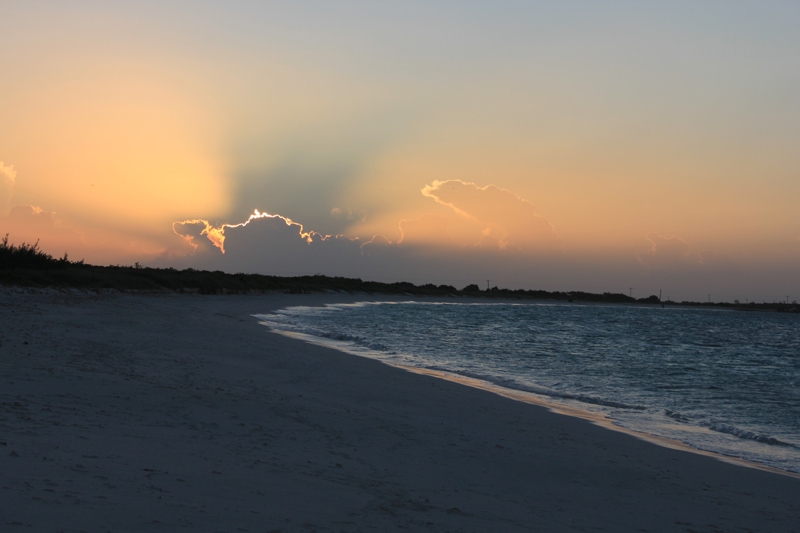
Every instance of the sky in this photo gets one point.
(616, 146)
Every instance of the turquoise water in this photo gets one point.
(718, 380)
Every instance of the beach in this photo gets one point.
(125, 412)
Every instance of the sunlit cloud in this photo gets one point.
(274, 244)
(186, 230)
(8, 178)
(501, 216)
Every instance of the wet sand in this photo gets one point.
(181, 412)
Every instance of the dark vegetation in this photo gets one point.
(28, 266)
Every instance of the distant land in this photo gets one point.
(25, 265)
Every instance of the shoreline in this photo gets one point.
(535, 399)
(155, 413)
(598, 418)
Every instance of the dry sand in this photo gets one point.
(164, 413)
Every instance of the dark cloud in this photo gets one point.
(193, 230)
(267, 243)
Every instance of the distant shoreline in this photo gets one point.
(26, 265)
(191, 281)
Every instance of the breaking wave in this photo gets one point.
(748, 435)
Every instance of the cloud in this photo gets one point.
(668, 252)
(30, 224)
(32, 218)
(8, 178)
(57, 236)
(486, 222)
(674, 253)
(498, 214)
(269, 244)
(192, 230)
(274, 244)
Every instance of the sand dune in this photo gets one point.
(163, 413)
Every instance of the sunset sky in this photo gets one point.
(597, 146)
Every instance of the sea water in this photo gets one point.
(724, 381)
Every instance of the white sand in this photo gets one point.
(164, 413)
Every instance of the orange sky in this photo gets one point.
(545, 146)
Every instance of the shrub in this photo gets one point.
(27, 256)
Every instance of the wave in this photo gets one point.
(355, 339)
(542, 391)
(747, 435)
(277, 323)
(600, 401)
(676, 416)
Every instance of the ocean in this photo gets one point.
(724, 381)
